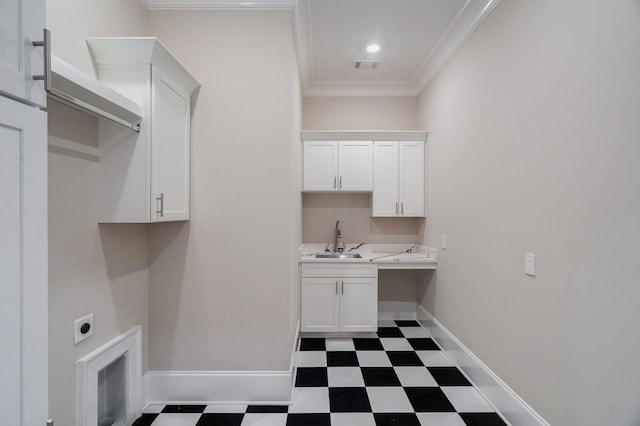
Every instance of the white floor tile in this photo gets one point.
(415, 376)
(339, 345)
(440, 419)
(176, 419)
(264, 419)
(395, 344)
(434, 359)
(390, 399)
(387, 323)
(344, 377)
(373, 359)
(352, 419)
(310, 400)
(414, 332)
(466, 399)
(154, 408)
(226, 408)
(312, 359)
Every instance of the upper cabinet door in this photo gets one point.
(412, 179)
(355, 166)
(320, 166)
(22, 23)
(385, 179)
(170, 149)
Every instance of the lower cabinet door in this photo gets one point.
(320, 304)
(358, 304)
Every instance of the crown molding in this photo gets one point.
(360, 89)
(473, 13)
(218, 4)
(463, 26)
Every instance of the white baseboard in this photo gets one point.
(514, 409)
(230, 387)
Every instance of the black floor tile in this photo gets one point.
(428, 399)
(349, 400)
(311, 377)
(268, 408)
(399, 419)
(448, 376)
(426, 344)
(342, 359)
(389, 332)
(380, 376)
(407, 323)
(145, 419)
(482, 419)
(184, 408)
(368, 344)
(309, 419)
(309, 344)
(404, 359)
(220, 419)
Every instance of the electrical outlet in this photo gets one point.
(530, 264)
(82, 328)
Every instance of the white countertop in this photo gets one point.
(386, 256)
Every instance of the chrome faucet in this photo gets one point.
(336, 241)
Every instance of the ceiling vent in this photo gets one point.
(366, 65)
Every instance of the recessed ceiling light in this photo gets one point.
(373, 48)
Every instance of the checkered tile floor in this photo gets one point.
(400, 378)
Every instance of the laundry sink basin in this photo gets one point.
(338, 256)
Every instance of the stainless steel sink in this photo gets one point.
(339, 256)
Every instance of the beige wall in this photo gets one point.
(92, 268)
(220, 285)
(360, 113)
(99, 269)
(320, 211)
(70, 21)
(533, 147)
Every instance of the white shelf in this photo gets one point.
(128, 51)
(74, 87)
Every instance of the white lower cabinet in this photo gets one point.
(23, 265)
(339, 297)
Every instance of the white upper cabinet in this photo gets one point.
(21, 24)
(399, 179)
(144, 177)
(338, 166)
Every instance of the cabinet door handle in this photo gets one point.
(334, 182)
(397, 213)
(402, 208)
(341, 182)
(161, 199)
(46, 43)
(336, 287)
(342, 291)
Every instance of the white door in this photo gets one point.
(169, 150)
(320, 165)
(355, 165)
(385, 179)
(412, 179)
(23, 265)
(320, 306)
(359, 304)
(21, 23)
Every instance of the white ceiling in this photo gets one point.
(417, 37)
